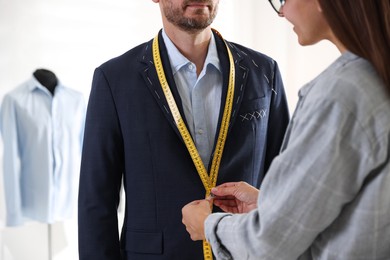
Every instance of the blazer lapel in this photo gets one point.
(241, 75)
(149, 74)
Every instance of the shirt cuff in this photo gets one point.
(14, 220)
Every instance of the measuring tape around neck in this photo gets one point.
(209, 181)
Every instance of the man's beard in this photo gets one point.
(176, 17)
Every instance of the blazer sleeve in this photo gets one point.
(278, 118)
(100, 175)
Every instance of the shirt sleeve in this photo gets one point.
(308, 184)
(11, 163)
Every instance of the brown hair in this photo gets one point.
(363, 26)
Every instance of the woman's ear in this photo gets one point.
(318, 6)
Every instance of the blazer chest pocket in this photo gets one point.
(255, 109)
(144, 242)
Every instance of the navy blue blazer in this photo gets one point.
(130, 134)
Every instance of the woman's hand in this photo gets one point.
(235, 197)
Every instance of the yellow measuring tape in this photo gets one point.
(209, 181)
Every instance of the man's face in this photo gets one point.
(190, 15)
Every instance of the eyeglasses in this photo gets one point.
(277, 4)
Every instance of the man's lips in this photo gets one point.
(197, 6)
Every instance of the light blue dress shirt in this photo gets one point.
(200, 96)
(42, 136)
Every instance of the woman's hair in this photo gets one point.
(363, 26)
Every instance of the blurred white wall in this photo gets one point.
(72, 37)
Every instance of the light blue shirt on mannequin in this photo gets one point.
(200, 96)
(42, 136)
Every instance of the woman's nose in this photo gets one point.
(281, 14)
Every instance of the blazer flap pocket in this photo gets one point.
(144, 242)
(253, 105)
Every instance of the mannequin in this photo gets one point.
(47, 78)
(42, 134)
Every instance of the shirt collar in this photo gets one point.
(178, 60)
(35, 84)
